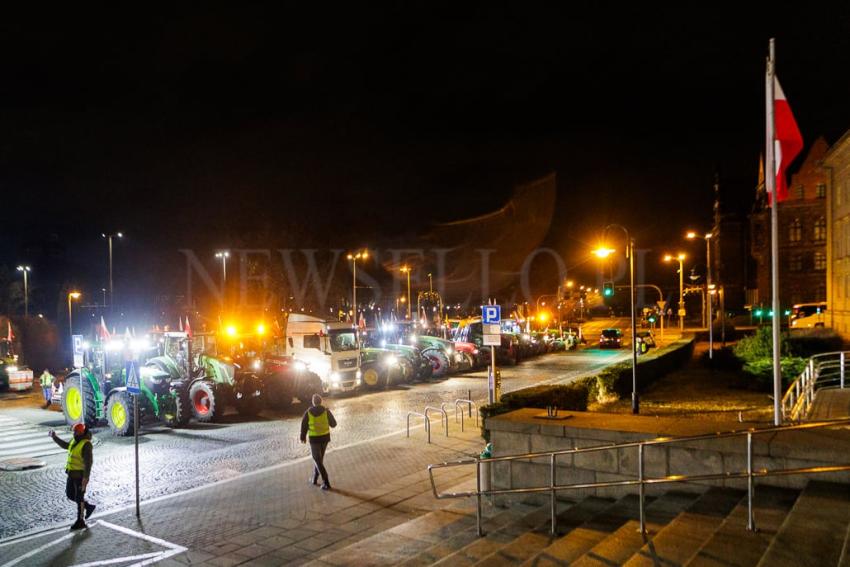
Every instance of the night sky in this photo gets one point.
(193, 129)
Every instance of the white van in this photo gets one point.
(328, 348)
(809, 315)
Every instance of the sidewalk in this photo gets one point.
(272, 516)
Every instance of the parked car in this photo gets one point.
(611, 338)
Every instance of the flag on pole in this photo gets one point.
(180, 322)
(788, 142)
(188, 328)
(9, 335)
(362, 322)
(102, 331)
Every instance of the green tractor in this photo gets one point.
(97, 392)
(381, 367)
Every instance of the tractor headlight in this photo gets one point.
(449, 351)
(358, 374)
(335, 377)
(300, 366)
(391, 360)
(257, 364)
(11, 368)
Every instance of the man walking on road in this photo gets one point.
(316, 424)
(78, 469)
(46, 380)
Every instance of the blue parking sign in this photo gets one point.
(491, 314)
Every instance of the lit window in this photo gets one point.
(799, 192)
(795, 231)
(820, 261)
(819, 233)
(820, 191)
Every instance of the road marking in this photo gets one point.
(37, 550)
(121, 559)
(22, 439)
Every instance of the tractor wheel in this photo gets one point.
(119, 413)
(439, 362)
(182, 408)
(249, 396)
(279, 397)
(372, 377)
(203, 402)
(75, 400)
(468, 361)
(309, 384)
(407, 370)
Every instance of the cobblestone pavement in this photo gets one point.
(174, 460)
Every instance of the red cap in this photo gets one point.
(79, 428)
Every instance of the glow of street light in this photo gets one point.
(570, 283)
(224, 254)
(75, 295)
(24, 269)
(603, 252)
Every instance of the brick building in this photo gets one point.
(836, 167)
(802, 235)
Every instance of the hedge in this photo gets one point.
(564, 397)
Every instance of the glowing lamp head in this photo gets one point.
(261, 329)
(75, 295)
(603, 252)
(230, 330)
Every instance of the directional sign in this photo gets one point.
(132, 378)
(491, 314)
(77, 345)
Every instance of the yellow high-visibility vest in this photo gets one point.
(318, 424)
(75, 455)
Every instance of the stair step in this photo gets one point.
(618, 547)
(530, 543)
(814, 532)
(733, 544)
(682, 538)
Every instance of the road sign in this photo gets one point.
(132, 378)
(77, 345)
(492, 340)
(661, 304)
(491, 314)
(491, 329)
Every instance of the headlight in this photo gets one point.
(449, 351)
(257, 364)
(358, 374)
(11, 368)
(334, 377)
(115, 345)
(391, 360)
(475, 351)
(300, 366)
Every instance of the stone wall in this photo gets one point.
(520, 432)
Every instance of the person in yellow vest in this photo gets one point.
(46, 380)
(316, 424)
(78, 469)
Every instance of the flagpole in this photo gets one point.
(770, 183)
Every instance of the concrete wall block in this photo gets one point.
(510, 425)
(654, 461)
(687, 461)
(510, 443)
(605, 460)
(541, 443)
(551, 429)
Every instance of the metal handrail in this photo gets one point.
(641, 481)
(444, 417)
(820, 372)
(427, 423)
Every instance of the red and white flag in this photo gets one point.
(362, 322)
(788, 142)
(102, 331)
(188, 328)
(9, 336)
(180, 320)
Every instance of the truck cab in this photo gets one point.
(328, 348)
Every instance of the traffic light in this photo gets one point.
(651, 318)
(608, 289)
(757, 312)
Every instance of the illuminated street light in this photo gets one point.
(26, 270)
(223, 255)
(691, 235)
(109, 238)
(603, 252)
(407, 270)
(72, 295)
(681, 259)
(363, 255)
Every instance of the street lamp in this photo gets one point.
(223, 255)
(354, 257)
(72, 295)
(603, 252)
(681, 259)
(26, 270)
(407, 270)
(708, 286)
(430, 283)
(109, 238)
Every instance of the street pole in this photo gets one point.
(136, 439)
(24, 270)
(710, 298)
(354, 291)
(111, 296)
(681, 295)
(70, 320)
(770, 182)
(430, 283)
(635, 395)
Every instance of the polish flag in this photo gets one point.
(181, 323)
(188, 328)
(102, 330)
(9, 336)
(362, 322)
(788, 142)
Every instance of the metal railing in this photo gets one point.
(427, 423)
(458, 411)
(642, 480)
(825, 370)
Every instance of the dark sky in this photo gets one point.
(183, 126)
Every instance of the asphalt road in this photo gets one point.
(173, 460)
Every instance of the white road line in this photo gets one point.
(122, 559)
(39, 549)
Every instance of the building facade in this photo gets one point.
(803, 234)
(836, 167)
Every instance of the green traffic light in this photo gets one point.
(609, 292)
(757, 313)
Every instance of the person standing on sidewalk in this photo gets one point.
(46, 380)
(316, 424)
(78, 469)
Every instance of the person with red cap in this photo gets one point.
(78, 469)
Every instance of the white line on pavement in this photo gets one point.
(121, 559)
(39, 549)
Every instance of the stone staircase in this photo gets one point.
(801, 528)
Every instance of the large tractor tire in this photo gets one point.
(373, 378)
(309, 384)
(204, 404)
(249, 396)
(119, 413)
(439, 362)
(76, 399)
(182, 409)
(278, 394)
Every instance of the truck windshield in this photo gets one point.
(342, 341)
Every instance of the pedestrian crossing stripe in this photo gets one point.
(21, 439)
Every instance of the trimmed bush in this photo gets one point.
(571, 397)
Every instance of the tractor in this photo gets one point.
(97, 392)
(12, 374)
(414, 366)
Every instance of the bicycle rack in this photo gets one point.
(427, 423)
(444, 417)
(457, 405)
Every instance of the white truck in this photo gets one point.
(327, 348)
